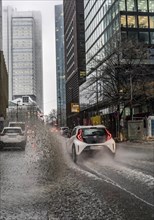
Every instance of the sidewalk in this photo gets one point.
(138, 144)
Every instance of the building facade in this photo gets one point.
(3, 74)
(117, 20)
(60, 68)
(22, 43)
(3, 86)
(74, 41)
(0, 24)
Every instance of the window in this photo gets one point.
(151, 18)
(151, 6)
(143, 21)
(131, 5)
(133, 35)
(131, 21)
(142, 5)
(144, 37)
(123, 35)
(123, 21)
(122, 5)
(152, 37)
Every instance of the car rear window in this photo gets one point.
(18, 125)
(10, 131)
(94, 131)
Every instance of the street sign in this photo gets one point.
(75, 107)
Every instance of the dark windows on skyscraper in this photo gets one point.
(152, 37)
(144, 37)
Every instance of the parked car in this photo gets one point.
(90, 138)
(12, 137)
(18, 124)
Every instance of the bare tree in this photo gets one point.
(53, 116)
(122, 75)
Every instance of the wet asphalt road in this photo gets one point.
(43, 183)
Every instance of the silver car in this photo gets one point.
(90, 138)
(12, 136)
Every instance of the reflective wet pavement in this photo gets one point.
(43, 183)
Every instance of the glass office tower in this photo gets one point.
(22, 44)
(117, 20)
(60, 68)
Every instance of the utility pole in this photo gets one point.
(97, 92)
(59, 110)
(17, 109)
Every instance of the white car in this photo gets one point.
(12, 136)
(18, 124)
(90, 138)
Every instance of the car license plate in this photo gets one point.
(12, 136)
(95, 147)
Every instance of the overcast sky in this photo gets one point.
(46, 7)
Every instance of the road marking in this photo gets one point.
(108, 180)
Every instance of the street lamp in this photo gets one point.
(59, 97)
(131, 93)
(17, 109)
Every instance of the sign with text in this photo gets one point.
(75, 107)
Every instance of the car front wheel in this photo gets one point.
(74, 156)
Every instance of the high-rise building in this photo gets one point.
(115, 20)
(22, 44)
(60, 68)
(0, 24)
(74, 38)
(3, 75)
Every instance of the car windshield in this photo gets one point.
(11, 131)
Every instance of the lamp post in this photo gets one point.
(17, 109)
(59, 97)
(131, 93)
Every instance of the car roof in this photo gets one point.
(89, 126)
(6, 128)
(16, 122)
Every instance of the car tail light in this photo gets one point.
(79, 135)
(109, 135)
